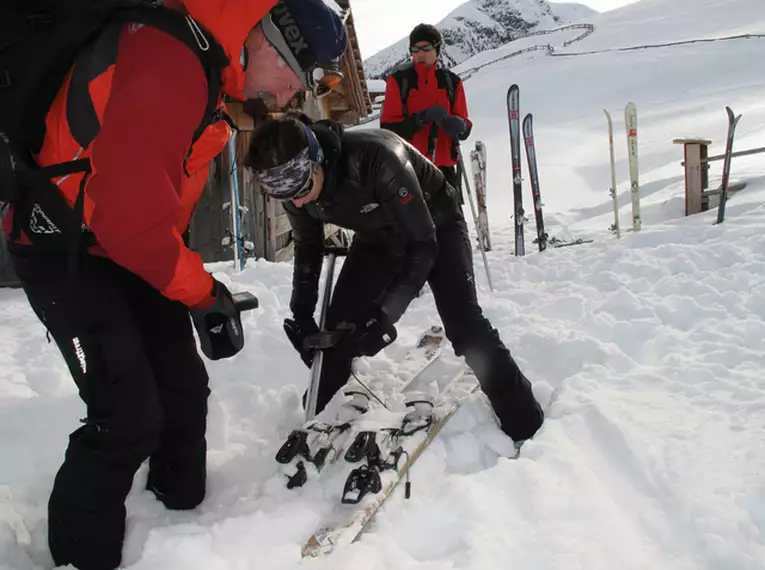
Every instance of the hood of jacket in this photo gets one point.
(330, 136)
(230, 21)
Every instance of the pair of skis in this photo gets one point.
(384, 452)
(631, 125)
(321, 441)
(347, 524)
(513, 115)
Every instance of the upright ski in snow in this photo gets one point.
(478, 167)
(732, 122)
(531, 156)
(630, 123)
(466, 182)
(513, 117)
(612, 191)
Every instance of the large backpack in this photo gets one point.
(39, 43)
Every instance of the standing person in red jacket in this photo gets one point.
(425, 104)
(138, 104)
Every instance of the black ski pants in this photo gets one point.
(453, 176)
(366, 273)
(133, 356)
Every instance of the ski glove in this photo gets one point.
(218, 324)
(299, 331)
(435, 114)
(373, 334)
(454, 126)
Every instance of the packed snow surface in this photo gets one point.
(648, 349)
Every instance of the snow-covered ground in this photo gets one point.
(652, 453)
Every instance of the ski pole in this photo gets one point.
(318, 355)
(236, 228)
(245, 301)
(475, 215)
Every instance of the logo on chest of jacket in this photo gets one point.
(369, 207)
(405, 195)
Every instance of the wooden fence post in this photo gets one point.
(696, 178)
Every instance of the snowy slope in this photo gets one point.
(658, 21)
(571, 12)
(478, 25)
(651, 456)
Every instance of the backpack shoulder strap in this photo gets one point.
(198, 40)
(405, 77)
(447, 81)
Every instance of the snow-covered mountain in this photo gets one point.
(479, 25)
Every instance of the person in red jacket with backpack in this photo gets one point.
(100, 202)
(425, 104)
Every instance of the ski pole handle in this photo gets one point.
(337, 251)
(245, 301)
(325, 339)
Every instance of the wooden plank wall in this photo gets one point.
(7, 276)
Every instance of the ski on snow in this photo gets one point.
(319, 443)
(388, 459)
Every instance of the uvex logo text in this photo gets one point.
(289, 28)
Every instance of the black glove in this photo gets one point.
(454, 126)
(298, 331)
(219, 325)
(373, 334)
(435, 114)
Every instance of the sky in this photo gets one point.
(380, 23)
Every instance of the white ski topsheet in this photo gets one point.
(651, 458)
(632, 134)
(448, 387)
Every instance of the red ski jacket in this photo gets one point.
(146, 178)
(427, 87)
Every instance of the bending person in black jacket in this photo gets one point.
(409, 229)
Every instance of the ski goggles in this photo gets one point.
(293, 179)
(325, 80)
(319, 79)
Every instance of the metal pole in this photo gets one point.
(318, 355)
(236, 229)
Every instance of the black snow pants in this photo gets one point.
(133, 356)
(453, 176)
(366, 273)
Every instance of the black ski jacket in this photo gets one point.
(383, 189)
